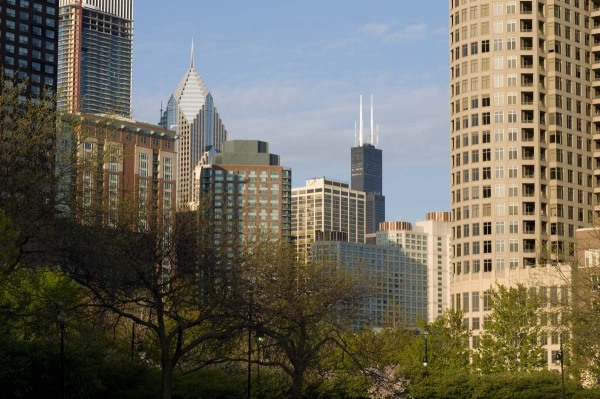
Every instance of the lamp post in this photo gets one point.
(559, 357)
(259, 338)
(61, 318)
(426, 357)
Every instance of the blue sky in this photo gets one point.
(291, 72)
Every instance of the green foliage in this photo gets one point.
(448, 343)
(529, 385)
(510, 339)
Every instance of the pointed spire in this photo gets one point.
(372, 120)
(192, 55)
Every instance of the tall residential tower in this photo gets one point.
(523, 84)
(192, 114)
(95, 56)
(366, 175)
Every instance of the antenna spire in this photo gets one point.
(372, 132)
(355, 133)
(360, 135)
(192, 55)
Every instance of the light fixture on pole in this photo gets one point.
(426, 357)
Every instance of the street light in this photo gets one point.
(426, 358)
(259, 338)
(560, 358)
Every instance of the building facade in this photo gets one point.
(247, 190)
(125, 168)
(367, 175)
(192, 114)
(326, 210)
(523, 138)
(400, 292)
(427, 244)
(29, 44)
(95, 57)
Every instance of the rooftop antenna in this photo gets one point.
(355, 133)
(377, 145)
(360, 136)
(192, 55)
(372, 119)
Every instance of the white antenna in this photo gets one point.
(355, 133)
(377, 145)
(372, 119)
(360, 136)
(192, 55)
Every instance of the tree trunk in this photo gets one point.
(166, 378)
(297, 382)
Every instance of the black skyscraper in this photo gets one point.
(367, 175)
(28, 43)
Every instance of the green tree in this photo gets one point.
(301, 310)
(31, 168)
(156, 276)
(510, 338)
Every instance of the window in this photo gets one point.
(485, 46)
(487, 228)
(499, 154)
(486, 155)
(497, 44)
(498, 117)
(487, 265)
(487, 191)
(487, 301)
(511, 43)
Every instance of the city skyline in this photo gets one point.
(292, 77)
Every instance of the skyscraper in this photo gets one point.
(95, 56)
(248, 190)
(366, 172)
(400, 295)
(523, 140)
(28, 43)
(326, 210)
(191, 113)
(428, 244)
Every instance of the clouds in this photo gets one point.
(386, 34)
(291, 75)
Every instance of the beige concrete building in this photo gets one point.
(428, 245)
(523, 127)
(326, 210)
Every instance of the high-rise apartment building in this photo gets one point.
(123, 166)
(95, 56)
(428, 245)
(192, 114)
(326, 210)
(366, 175)
(248, 192)
(399, 295)
(28, 44)
(523, 139)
